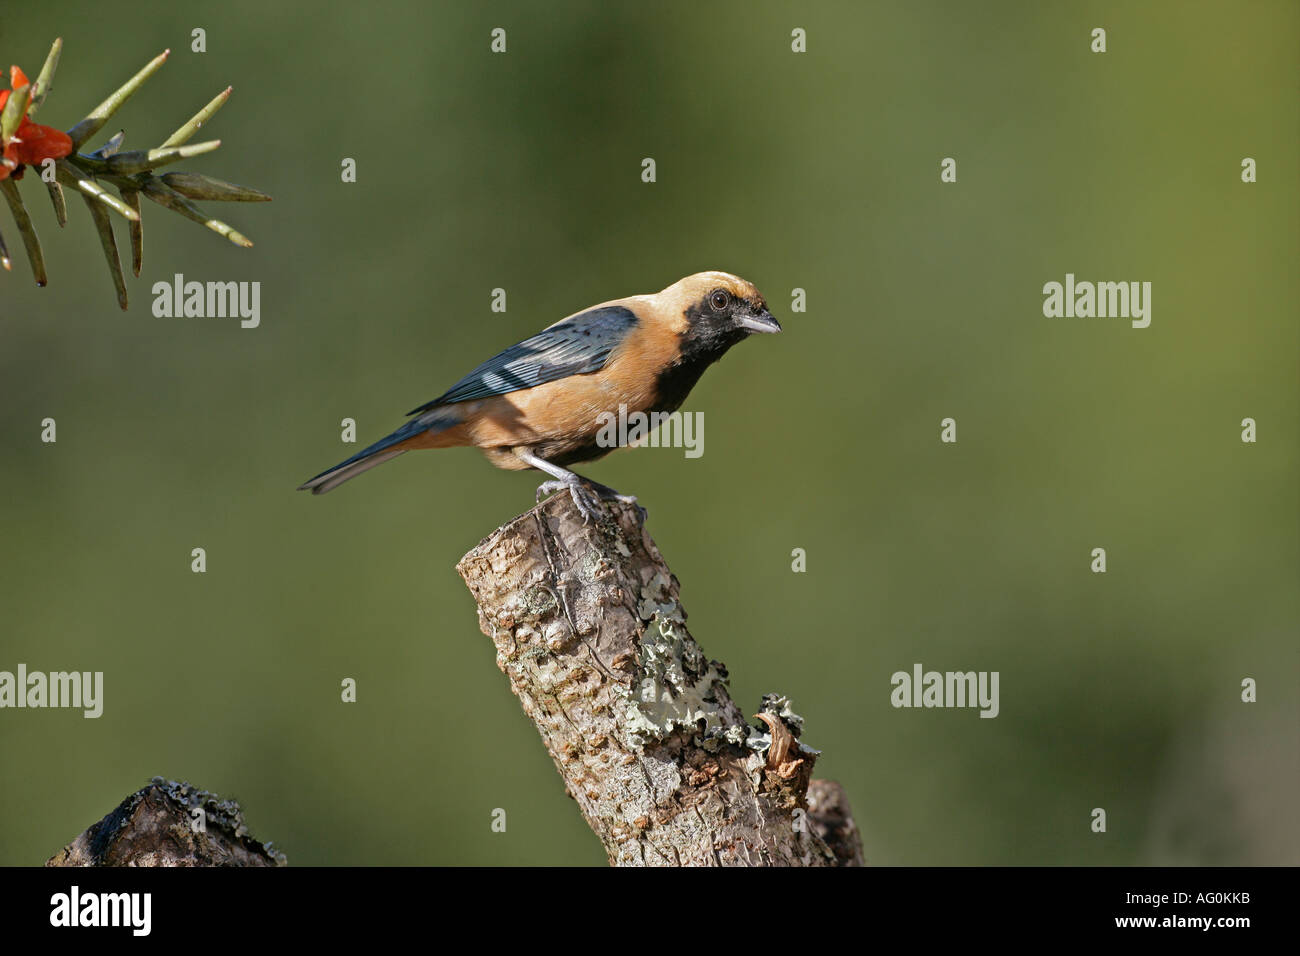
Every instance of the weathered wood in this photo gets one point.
(662, 763)
(158, 826)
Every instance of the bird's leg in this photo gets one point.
(585, 499)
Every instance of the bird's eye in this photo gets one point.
(719, 300)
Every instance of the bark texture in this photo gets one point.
(828, 806)
(157, 826)
(589, 629)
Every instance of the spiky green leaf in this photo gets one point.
(132, 198)
(143, 160)
(104, 226)
(186, 132)
(198, 186)
(69, 175)
(164, 195)
(97, 117)
(44, 82)
(14, 111)
(57, 200)
(24, 222)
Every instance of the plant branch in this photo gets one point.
(24, 143)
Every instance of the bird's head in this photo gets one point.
(715, 310)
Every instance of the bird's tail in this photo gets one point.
(380, 452)
(329, 480)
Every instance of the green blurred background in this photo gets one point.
(818, 171)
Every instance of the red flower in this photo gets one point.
(31, 143)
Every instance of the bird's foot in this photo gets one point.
(585, 499)
(609, 494)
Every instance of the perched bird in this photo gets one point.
(539, 403)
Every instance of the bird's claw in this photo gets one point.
(609, 494)
(549, 488)
(587, 495)
(585, 499)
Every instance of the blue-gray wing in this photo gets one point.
(578, 345)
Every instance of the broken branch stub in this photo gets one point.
(662, 763)
(169, 824)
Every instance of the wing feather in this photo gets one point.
(577, 345)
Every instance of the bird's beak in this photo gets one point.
(763, 322)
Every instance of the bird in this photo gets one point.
(539, 403)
